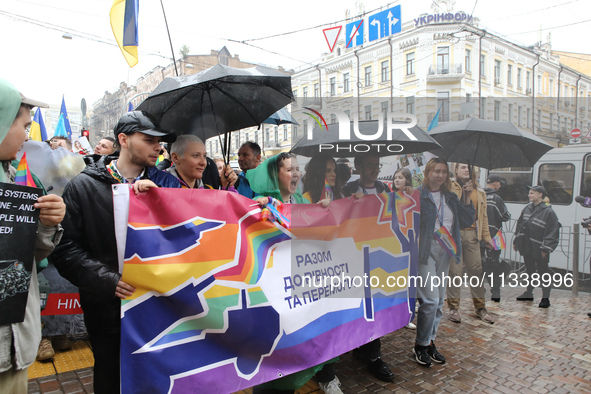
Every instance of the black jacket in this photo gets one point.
(537, 230)
(87, 254)
(496, 210)
(355, 186)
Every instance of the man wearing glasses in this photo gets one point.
(368, 168)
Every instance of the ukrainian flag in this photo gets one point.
(124, 24)
(37, 131)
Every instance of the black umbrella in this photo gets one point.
(327, 141)
(488, 144)
(218, 100)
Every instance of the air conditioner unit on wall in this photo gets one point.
(497, 81)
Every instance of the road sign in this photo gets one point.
(354, 32)
(575, 133)
(574, 141)
(332, 35)
(384, 23)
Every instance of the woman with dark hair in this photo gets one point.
(278, 178)
(442, 217)
(321, 185)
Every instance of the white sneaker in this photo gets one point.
(411, 326)
(331, 387)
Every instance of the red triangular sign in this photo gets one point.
(332, 35)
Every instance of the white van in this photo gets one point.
(565, 173)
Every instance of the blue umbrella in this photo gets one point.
(281, 117)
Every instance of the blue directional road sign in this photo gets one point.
(354, 32)
(384, 23)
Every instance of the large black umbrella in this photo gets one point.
(327, 141)
(488, 144)
(218, 100)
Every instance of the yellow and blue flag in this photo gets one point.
(37, 131)
(124, 14)
(66, 121)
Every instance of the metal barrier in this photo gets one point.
(568, 247)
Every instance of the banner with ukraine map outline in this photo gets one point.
(226, 301)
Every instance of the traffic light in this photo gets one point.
(85, 133)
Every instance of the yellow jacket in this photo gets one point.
(482, 222)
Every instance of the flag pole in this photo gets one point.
(169, 40)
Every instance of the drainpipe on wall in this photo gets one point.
(319, 85)
(391, 76)
(358, 82)
(533, 97)
(577, 103)
(480, 74)
(558, 101)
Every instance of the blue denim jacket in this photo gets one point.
(463, 217)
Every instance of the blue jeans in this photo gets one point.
(431, 297)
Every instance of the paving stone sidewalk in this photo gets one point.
(527, 350)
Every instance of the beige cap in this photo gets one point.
(32, 103)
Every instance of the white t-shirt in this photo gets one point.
(448, 215)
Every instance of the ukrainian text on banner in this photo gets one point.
(225, 301)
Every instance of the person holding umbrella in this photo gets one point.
(536, 236)
(443, 216)
(466, 187)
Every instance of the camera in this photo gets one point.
(586, 223)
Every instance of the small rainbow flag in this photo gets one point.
(23, 174)
(498, 241)
(446, 240)
(328, 191)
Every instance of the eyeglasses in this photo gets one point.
(374, 165)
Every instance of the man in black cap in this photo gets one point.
(87, 255)
(497, 213)
(536, 236)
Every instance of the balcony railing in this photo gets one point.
(443, 70)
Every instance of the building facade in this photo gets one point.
(451, 64)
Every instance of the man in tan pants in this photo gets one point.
(471, 238)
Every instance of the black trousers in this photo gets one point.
(535, 263)
(491, 265)
(107, 372)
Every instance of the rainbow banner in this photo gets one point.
(225, 301)
(23, 175)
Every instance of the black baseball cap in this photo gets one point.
(142, 122)
(492, 178)
(539, 189)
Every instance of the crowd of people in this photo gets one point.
(458, 221)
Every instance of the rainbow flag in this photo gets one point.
(23, 174)
(37, 131)
(499, 241)
(327, 191)
(445, 239)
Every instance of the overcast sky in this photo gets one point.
(43, 65)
